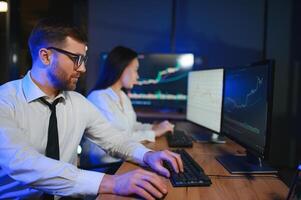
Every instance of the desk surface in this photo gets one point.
(224, 185)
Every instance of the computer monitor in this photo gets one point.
(162, 84)
(205, 97)
(247, 111)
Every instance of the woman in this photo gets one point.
(120, 71)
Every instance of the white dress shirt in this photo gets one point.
(24, 169)
(122, 117)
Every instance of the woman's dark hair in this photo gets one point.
(116, 62)
(53, 32)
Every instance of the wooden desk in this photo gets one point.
(224, 186)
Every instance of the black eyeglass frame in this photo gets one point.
(77, 59)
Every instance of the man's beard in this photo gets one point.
(60, 82)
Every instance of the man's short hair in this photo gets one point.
(52, 32)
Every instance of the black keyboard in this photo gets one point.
(193, 174)
(178, 139)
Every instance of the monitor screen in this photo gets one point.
(246, 105)
(162, 82)
(204, 99)
(247, 111)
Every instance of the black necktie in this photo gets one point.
(52, 148)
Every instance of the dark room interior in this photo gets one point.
(224, 34)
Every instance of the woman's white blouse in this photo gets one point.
(121, 116)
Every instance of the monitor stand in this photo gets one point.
(248, 164)
(218, 139)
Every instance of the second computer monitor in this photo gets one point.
(162, 82)
(205, 98)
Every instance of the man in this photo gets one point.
(42, 122)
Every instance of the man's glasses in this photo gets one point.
(77, 59)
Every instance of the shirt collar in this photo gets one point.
(33, 92)
(112, 94)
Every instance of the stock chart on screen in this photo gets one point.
(205, 93)
(245, 103)
(163, 81)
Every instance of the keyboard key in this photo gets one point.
(178, 139)
(193, 174)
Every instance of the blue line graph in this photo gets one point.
(246, 102)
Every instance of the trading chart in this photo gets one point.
(163, 80)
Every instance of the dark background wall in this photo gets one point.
(225, 32)
(282, 45)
